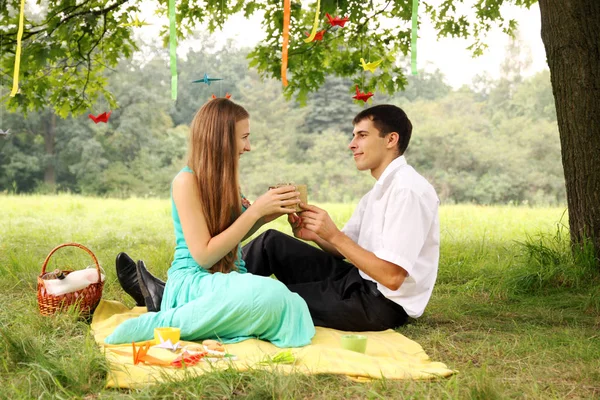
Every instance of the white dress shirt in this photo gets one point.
(398, 221)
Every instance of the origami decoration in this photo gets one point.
(313, 32)
(370, 66)
(173, 48)
(168, 344)
(4, 133)
(207, 80)
(101, 117)
(141, 355)
(15, 87)
(136, 23)
(318, 35)
(227, 96)
(362, 96)
(336, 22)
(286, 39)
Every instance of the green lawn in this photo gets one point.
(513, 311)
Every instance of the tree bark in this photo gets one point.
(571, 36)
(49, 142)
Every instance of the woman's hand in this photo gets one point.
(273, 203)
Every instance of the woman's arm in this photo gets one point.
(261, 221)
(205, 249)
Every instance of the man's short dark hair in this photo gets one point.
(388, 118)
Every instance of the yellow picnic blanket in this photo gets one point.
(389, 355)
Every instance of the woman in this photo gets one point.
(208, 293)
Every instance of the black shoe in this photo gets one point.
(127, 275)
(152, 287)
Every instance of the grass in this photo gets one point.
(513, 310)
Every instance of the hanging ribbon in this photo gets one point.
(413, 39)
(173, 49)
(286, 39)
(15, 87)
(315, 24)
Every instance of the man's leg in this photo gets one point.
(289, 259)
(336, 295)
(350, 303)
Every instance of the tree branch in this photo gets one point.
(28, 34)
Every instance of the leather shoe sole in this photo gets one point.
(128, 278)
(152, 288)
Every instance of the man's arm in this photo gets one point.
(328, 247)
(388, 274)
(321, 225)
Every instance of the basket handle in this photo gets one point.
(74, 245)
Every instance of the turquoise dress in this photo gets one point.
(227, 307)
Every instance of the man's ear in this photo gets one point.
(392, 140)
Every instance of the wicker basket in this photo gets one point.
(85, 299)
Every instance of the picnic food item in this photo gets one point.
(209, 355)
(56, 274)
(303, 189)
(194, 348)
(213, 347)
(86, 299)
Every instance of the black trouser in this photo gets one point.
(337, 296)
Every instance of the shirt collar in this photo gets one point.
(394, 165)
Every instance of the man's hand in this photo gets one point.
(300, 232)
(317, 220)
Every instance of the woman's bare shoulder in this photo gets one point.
(185, 182)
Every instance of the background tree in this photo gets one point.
(68, 47)
(570, 31)
(479, 153)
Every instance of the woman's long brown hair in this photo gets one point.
(213, 156)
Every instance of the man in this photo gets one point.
(391, 241)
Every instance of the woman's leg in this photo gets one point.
(233, 307)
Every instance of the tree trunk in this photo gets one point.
(49, 141)
(571, 36)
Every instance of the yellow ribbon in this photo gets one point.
(15, 87)
(286, 37)
(315, 24)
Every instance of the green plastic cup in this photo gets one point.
(356, 343)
